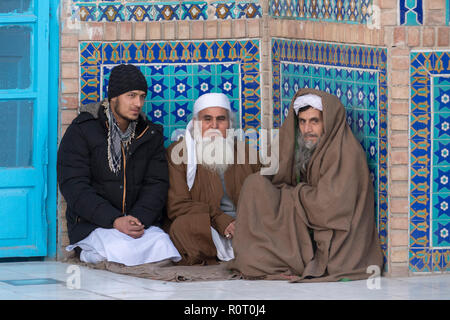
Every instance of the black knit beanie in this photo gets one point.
(124, 78)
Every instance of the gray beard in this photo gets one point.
(303, 154)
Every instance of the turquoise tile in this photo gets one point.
(111, 11)
(441, 98)
(372, 147)
(203, 84)
(133, 52)
(111, 53)
(91, 53)
(372, 94)
(181, 87)
(441, 260)
(157, 111)
(420, 260)
(420, 126)
(372, 123)
(441, 153)
(440, 233)
(317, 83)
(180, 112)
(419, 231)
(441, 81)
(203, 69)
(159, 88)
(441, 179)
(85, 12)
(228, 84)
(316, 72)
(441, 206)
(181, 69)
(90, 71)
(441, 125)
(420, 152)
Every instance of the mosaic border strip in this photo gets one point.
(236, 58)
(357, 57)
(123, 10)
(429, 239)
(343, 11)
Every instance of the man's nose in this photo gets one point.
(308, 127)
(139, 101)
(214, 124)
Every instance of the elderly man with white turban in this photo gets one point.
(205, 181)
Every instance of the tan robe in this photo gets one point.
(192, 213)
(336, 203)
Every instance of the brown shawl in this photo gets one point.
(192, 213)
(336, 203)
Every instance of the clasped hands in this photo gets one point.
(130, 226)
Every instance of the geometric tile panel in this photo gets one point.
(411, 12)
(355, 74)
(430, 161)
(124, 10)
(177, 74)
(344, 11)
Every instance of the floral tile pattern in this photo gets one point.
(177, 73)
(357, 75)
(430, 161)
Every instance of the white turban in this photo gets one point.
(308, 100)
(207, 100)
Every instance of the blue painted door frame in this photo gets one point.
(29, 95)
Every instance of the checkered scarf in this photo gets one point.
(117, 139)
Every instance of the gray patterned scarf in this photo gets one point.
(117, 139)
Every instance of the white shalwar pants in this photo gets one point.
(223, 245)
(114, 246)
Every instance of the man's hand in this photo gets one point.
(229, 231)
(130, 226)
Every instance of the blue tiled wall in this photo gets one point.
(177, 74)
(430, 162)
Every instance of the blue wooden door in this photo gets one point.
(24, 51)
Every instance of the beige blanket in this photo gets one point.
(164, 270)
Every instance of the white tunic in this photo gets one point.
(115, 246)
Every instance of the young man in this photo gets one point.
(112, 172)
(314, 220)
(205, 182)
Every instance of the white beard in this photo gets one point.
(216, 153)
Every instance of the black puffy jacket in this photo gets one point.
(96, 196)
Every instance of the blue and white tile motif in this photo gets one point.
(411, 12)
(357, 76)
(430, 161)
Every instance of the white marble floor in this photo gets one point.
(67, 282)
